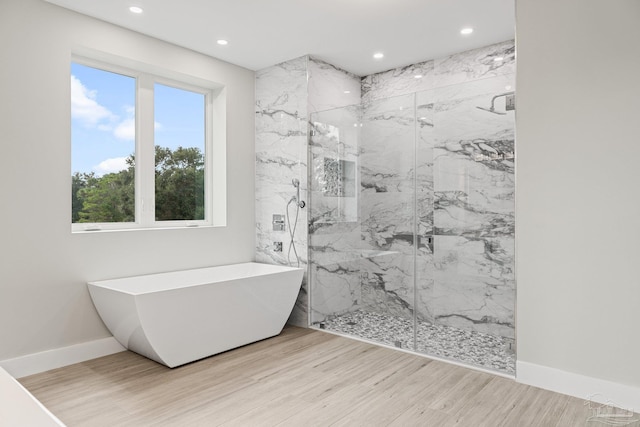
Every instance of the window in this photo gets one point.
(144, 151)
(103, 145)
(179, 153)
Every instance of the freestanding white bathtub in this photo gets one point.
(178, 317)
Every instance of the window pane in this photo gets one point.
(102, 145)
(179, 144)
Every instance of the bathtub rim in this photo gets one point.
(131, 287)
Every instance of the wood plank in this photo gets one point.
(302, 377)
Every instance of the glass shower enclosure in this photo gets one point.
(411, 222)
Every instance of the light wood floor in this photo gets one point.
(300, 378)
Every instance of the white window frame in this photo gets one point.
(214, 153)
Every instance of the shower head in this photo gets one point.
(492, 110)
(509, 104)
(296, 182)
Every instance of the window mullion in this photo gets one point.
(145, 152)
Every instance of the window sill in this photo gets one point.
(118, 230)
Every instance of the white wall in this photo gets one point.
(578, 187)
(44, 303)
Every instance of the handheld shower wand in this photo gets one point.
(296, 198)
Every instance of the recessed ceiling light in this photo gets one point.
(466, 31)
(135, 9)
(347, 91)
(222, 42)
(498, 58)
(378, 55)
(417, 76)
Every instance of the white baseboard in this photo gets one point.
(580, 386)
(59, 357)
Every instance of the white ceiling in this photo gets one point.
(344, 33)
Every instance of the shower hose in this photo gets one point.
(292, 232)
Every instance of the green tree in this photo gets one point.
(179, 184)
(78, 182)
(109, 198)
(179, 192)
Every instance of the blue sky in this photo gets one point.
(103, 119)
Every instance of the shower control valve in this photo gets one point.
(278, 222)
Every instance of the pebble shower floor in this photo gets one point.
(470, 347)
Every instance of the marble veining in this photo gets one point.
(286, 94)
(398, 81)
(474, 284)
(459, 68)
(410, 189)
(331, 87)
(436, 196)
(475, 64)
(281, 134)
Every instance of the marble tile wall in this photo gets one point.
(361, 239)
(474, 283)
(362, 247)
(334, 226)
(331, 87)
(286, 94)
(462, 67)
(387, 205)
(281, 155)
(464, 190)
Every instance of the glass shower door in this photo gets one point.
(362, 243)
(412, 220)
(468, 295)
(388, 219)
(334, 228)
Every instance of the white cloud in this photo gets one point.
(112, 165)
(84, 105)
(126, 129)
